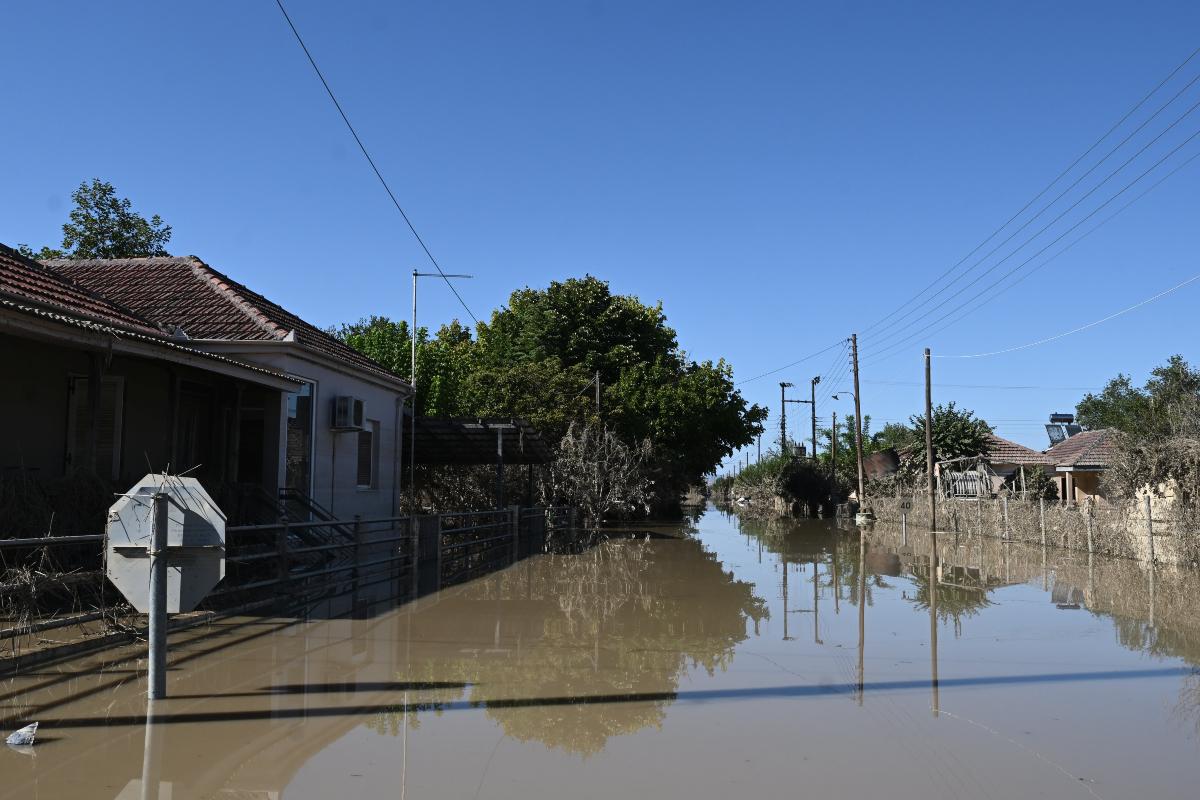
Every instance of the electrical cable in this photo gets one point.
(876, 355)
(1077, 330)
(372, 162)
(1174, 72)
(794, 363)
(1052, 202)
(1051, 223)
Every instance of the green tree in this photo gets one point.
(956, 433)
(1143, 412)
(103, 226)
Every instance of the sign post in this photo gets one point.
(165, 544)
(905, 507)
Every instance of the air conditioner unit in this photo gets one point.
(348, 413)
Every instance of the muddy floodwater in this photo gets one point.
(713, 658)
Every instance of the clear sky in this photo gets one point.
(778, 175)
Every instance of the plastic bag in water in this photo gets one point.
(24, 736)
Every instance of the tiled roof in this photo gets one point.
(1086, 449)
(41, 286)
(1004, 451)
(185, 292)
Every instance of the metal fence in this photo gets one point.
(281, 561)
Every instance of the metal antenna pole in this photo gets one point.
(597, 392)
(862, 497)
(412, 443)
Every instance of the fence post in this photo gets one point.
(1087, 511)
(1042, 512)
(979, 503)
(281, 540)
(357, 543)
(514, 514)
(1007, 535)
(1150, 528)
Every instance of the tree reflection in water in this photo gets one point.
(584, 647)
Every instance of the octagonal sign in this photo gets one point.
(195, 542)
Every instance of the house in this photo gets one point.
(1009, 459)
(90, 383)
(196, 373)
(334, 444)
(1079, 463)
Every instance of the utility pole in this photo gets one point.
(783, 387)
(862, 497)
(815, 381)
(760, 448)
(929, 447)
(783, 403)
(833, 462)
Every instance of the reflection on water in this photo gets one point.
(718, 657)
(603, 638)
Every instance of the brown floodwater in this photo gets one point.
(714, 658)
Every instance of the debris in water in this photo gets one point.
(23, 737)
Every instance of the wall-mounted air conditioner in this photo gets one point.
(349, 413)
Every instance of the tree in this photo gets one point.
(102, 226)
(1141, 412)
(956, 433)
(537, 358)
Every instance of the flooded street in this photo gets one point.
(712, 658)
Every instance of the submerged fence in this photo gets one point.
(58, 582)
(1131, 530)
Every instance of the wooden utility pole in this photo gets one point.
(929, 446)
(862, 497)
(783, 387)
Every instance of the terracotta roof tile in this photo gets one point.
(30, 280)
(185, 292)
(1007, 452)
(1086, 449)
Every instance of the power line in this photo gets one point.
(1077, 330)
(1048, 187)
(372, 162)
(794, 363)
(1035, 255)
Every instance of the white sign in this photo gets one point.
(195, 542)
(906, 505)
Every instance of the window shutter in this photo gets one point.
(364, 459)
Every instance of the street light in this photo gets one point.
(412, 458)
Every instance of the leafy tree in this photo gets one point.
(536, 357)
(956, 433)
(1142, 412)
(102, 226)
(895, 435)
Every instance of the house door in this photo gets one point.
(108, 427)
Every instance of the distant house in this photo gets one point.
(1008, 459)
(92, 384)
(335, 440)
(985, 474)
(1079, 463)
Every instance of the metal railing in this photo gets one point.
(421, 555)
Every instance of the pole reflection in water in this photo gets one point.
(862, 607)
(837, 589)
(152, 755)
(816, 598)
(933, 626)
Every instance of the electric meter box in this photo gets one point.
(195, 542)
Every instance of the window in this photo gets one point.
(108, 427)
(368, 455)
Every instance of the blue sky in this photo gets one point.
(779, 175)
